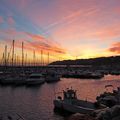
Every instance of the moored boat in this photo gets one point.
(52, 77)
(35, 79)
(8, 79)
(71, 104)
(20, 80)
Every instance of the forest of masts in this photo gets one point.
(10, 58)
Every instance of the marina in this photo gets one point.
(31, 102)
(59, 59)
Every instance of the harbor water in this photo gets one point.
(36, 103)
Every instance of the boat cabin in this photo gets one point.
(70, 94)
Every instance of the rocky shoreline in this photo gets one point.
(103, 114)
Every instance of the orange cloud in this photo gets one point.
(115, 48)
(32, 42)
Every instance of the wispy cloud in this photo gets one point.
(72, 17)
(77, 25)
(32, 41)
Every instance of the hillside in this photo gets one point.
(92, 61)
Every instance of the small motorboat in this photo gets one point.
(71, 104)
(35, 79)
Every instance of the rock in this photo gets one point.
(98, 112)
(79, 116)
(116, 118)
(102, 114)
(110, 113)
(115, 111)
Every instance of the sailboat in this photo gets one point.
(13, 78)
(21, 77)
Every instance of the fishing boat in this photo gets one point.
(35, 79)
(72, 104)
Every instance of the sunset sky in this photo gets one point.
(65, 28)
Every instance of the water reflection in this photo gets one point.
(36, 103)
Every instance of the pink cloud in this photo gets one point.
(36, 42)
(10, 20)
(116, 10)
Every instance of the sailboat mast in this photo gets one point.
(5, 55)
(8, 58)
(26, 59)
(3, 58)
(13, 52)
(34, 58)
(48, 58)
(22, 54)
(41, 57)
(17, 61)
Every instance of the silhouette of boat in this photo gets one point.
(35, 79)
(71, 104)
(52, 77)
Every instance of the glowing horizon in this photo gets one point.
(66, 29)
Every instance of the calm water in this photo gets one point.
(37, 103)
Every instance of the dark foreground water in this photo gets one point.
(36, 103)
